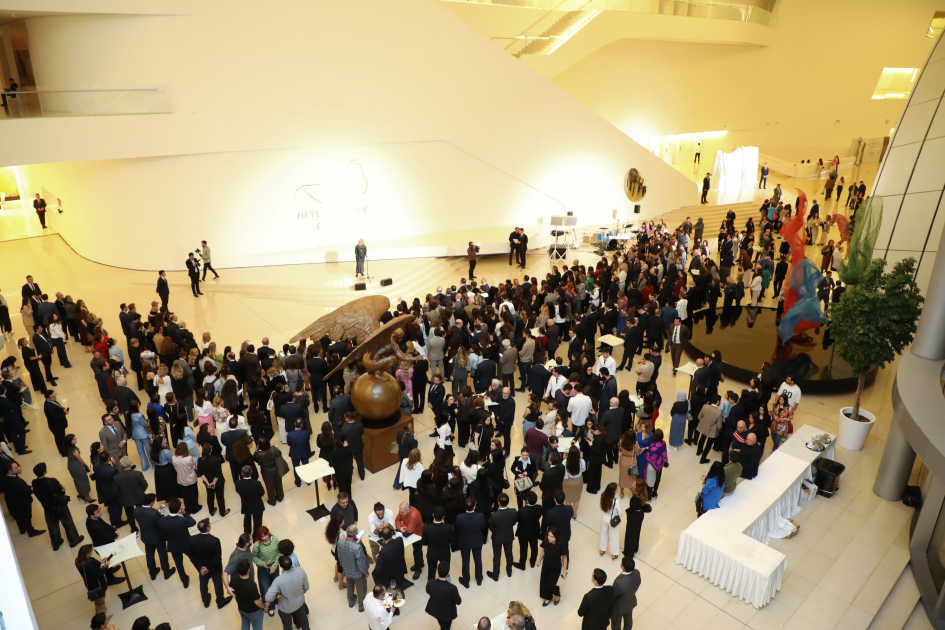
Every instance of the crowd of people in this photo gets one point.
(190, 407)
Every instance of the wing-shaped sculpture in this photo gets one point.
(356, 321)
(375, 348)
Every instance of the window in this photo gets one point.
(938, 23)
(895, 83)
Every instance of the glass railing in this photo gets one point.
(738, 12)
(31, 102)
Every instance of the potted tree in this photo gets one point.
(873, 322)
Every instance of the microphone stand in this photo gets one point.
(367, 267)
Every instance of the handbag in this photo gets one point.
(95, 593)
(394, 448)
(615, 518)
(282, 467)
(523, 483)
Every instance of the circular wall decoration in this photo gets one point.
(634, 186)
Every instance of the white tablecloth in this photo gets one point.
(728, 545)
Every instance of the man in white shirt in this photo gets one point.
(549, 418)
(682, 307)
(605, 360)
(579, 406)
(792, 391)
(379, 616)
(378, 517)
(555, 383)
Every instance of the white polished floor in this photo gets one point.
(837, 563)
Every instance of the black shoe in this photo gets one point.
(168, 575)
(24, 452)
(520, 565)
(213, 511)
(703, 461)
(479, 582)
(698, 451)
(112, 580)
(493, 575)
(77, 541)
(222, 514)
(56, 547)
(465, 583)
(199, 292)
(206, 603)
(37, 532)
(185, 582)
(508, 571)
(532, 564)
(224, 602)
(417, 574)
(154, 575)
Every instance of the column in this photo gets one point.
(894, 470)
(930, 334)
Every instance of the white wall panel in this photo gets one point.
(891, 206)
(930, 84)
(915, 123)
(929, 171)
(915, 218)
(899, 162)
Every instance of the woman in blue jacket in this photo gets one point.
(713, 484)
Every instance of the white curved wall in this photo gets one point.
(335, 81)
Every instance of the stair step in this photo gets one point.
(918, 620)
(899, 605)
(883, 581)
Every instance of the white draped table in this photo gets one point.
(728, 545)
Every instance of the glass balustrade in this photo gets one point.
(31, 102)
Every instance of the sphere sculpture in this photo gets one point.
(376, 396)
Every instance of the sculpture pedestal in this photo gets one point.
(377, 455)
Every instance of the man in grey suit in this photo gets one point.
(625, 595)
(113, 437)
(436, 351)
(131, 486)
(502, 523)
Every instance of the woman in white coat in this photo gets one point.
(610, 534)
(755, 288)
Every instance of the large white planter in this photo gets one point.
(853, 433)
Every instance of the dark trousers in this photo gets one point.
(524, 544)
(616, 621)
(42, 218)
(179, 561)
(164, 297)
(59, 434)
(236, 470)
(691, 431)
(477, 558)
(114, 512)
(195, 284)
(704, 194)
(190, 497)
(217, 577)
(253, 520)
(523, 368)
(508, 380)
(60, 345)
(56, 517)
(777, 285)
(497, 556)
(521, 255)
(472, 269)
(215, 495)
(513, 251)
(296, 462)
(47, 363)
(206, 266)
(16, 433)
(359, 459)
(130, 517)
(418, 557)
(298, 617)
(320, 392)
(764, 182)
(24, 520)
(161, 550)
(705, 445)
(419, 397)
(72, 328)
(445, 624)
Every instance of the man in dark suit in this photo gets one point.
(43, 345)
(706, 184)
(56, 420)
(175, 527)
(162, 288)
(124, 395)
(300, 447)
(678, 338)
(317, 369)
(291, 411)
(29, 290)
(352, 432)
(13, 417)
(389, 564)
(505, 418)
(437, 537)
(471, 532)
(251, 493)
(596, 605)
(444, 597)
(625, 595)
(553, 336)
(551, 481)
(559, 515)
(514, 243)
(131, 486)
(338, 407)
(19, 497)
(229, 440)
(207, 556)
(148, 520)
(485, 373)
(575, 344)
(522, 246)
(39, 204)
(100, 532)
(529, 529)
(52, 497)
(612, 422)
(193, 270)
(502, 523)
(105, 474)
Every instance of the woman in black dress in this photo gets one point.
(165, 476)
(176, 417)
(342, 460)
(639, 505)
(595, 447)
(95, 574)
(32, 362)
(325, 441)
(553, 565)
(210, 471)
(427, 496)
(495, 470)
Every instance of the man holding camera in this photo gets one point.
(193, 270)
(205, 255)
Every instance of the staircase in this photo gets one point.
(712, 216)
(901, 607)
(561, 31)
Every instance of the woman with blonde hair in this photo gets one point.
(518, 608)
(203, 409)
(163, 381)
(460, 370)
(573, 479)
(629, 451)
(221, 417)
(206, 341)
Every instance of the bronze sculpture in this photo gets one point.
(376, 394)
(355, 321)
